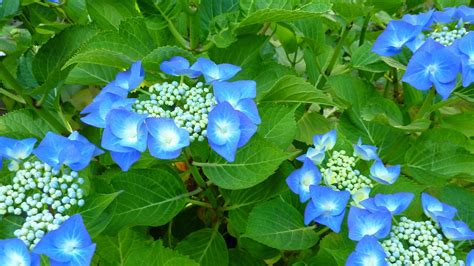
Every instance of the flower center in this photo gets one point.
(307, 180)
(447, 36)
(432, 69)
(70, 246)
(168, 138)
(16, 259)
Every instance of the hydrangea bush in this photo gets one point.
(188, 132)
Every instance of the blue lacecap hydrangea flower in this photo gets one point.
(368, 252)
(442, 48)
(175, 114)
(13, 251)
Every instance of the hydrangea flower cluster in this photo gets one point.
(70, 244)
(44, 190)
(407, 242)
(169, 115)
(341, 178)
(441, 44)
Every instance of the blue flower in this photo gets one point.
(365, 152)
(213, 72)
(470, 258)
(365, 223)
(178, 66)
(97, 111)
(316, 155)
(465, 47)
(326, 207)
(166, 140)
(455, 230)
(368, 252)
(360, 195)
(394, 37)
(394, 203)
(228, 130)
(327, 141)
(434, 208)
(75, 151)
(125, 135)
(423, 19)
(240, 95)
(132, 78)
(13, 251)
(384, 175)
(69, 245)
(465, 13)
(16, 149)
(433, 64)
(301, 179)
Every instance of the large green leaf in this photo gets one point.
(279, 225)
(23, 124)
(292, 89)
(206, 246)
(93, 209)
(109, 13)
(462, 199)
(278, 124)
(150, 197)
(309, 124)
(254, 163)
(9, 224)
(334, 250)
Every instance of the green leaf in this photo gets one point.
(279, 225)
(150, 197)
(94, 207)
(274, 12)
(109, 13)
(152, 61)
(452, 3)
(437, 162)
(292, 89)
(239, 257)
(254, 163)
(309, 124)
(9, 7)
(460, 122)
(278, 124)
(364, 59)
(206, 246)
(462, 199)
(23, 123)
(9, 224)
(91, 74)
(335, 248)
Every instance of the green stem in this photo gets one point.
(453, 99)
(364, 28)
(173, 29)
(395, 81)
(194, 170)
(335, 56)
(193, 26)
(425, 108)
(12, 96)
(199, 203)
(322, 231)
(206, 47)
(460, 244)
(144, 91)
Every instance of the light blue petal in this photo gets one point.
(365, 152)
(131, 78)
(364, 223)
(416, 74)
(125, 159)
(49, 149)
(166, 140)
(394, 37)
(333, 222)
(394, 203)
(13, 251)
(384, 175)
(310, 213)
(444, 89)
(368, 252)
(448, 65)
(227, 71)
(208, 68)
(247, 129)
(227, 92)
(422, 19)
(129, 127)
(76, 136)
(470, 258)
(173, 65)
(455, 230)
(434, 209)
(223, 125)
(329, 201)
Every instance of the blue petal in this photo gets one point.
(249, 108)
(247, 129)
(49, 149)
(316, 155)
(166, 140)
(332, 221)
(368, 252)
(310, 212)
(394, 37)
(16, 149)
(470, 258)
(131, 78)
(97, 111)
(178, 66)
(369, 204)
(433, 208)
(448, 65)
(327, 141)
(365, 152)
(328, 201)
(364, 223)
(125, 159)
(455, 230)
(416, 74)
(301, 179)
(223, 125)
(129, 127)
(213, 72)
(446, 16)
(466, 45)
(71, 233)
(421, 19)
(394, 203)
(13, 251)
(384, 175)
(76, 136)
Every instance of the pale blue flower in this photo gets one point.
(394, 203)
(178, 66)
(386, 175)
(434, 208)
(17, 150)
(166, 140)
(301, 179)
(131, 78)
(455, 230)
(14, 252)
(365, 223)
(213, 72)
(394, 37)
(240, 95)
(365, 152)
(368, 252)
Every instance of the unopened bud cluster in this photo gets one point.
(187, 106)
(418, 243)
(340, 173)
(43, 195)
(446, 37)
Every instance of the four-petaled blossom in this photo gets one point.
(240, 95)
(17, 150)
(434, 208)
(395, 36)
(326, 207)
(228, 129)
(433, 64)
(213, 72)
(125, 135)
(70, 244)
(465, 47)
(367, 252)
(386, 175)
(316, 155)
(327, 140)
(97, 111)
(365, 152)
(301, 179)
(178, 66)
(166, 140)
(394, 203)
(75, 151)
(13, 251)
(321, 144)
(455, 230)
(366, 223)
